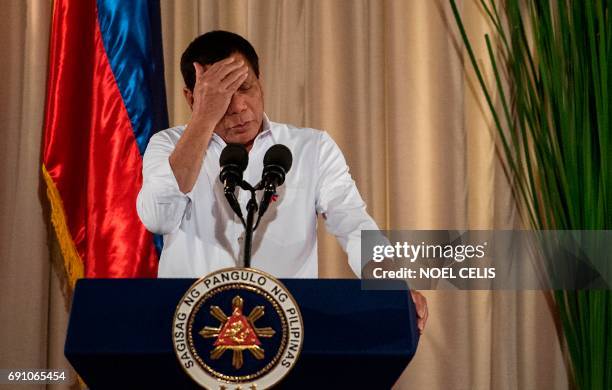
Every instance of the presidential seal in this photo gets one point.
(237, 328)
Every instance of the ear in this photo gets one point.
(188, 94)
(260, 81)
(260, 78)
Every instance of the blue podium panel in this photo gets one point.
(119, 334)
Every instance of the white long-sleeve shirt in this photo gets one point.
(201, 232)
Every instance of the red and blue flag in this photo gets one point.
(105, 99)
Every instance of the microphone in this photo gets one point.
(277, 162)
(233, 161)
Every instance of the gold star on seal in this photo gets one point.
(237, 332)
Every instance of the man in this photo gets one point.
(182, 197)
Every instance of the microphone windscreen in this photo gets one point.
(279, 155)
(234, 154)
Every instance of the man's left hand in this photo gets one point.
(421, 309)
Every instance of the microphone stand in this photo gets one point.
(250, 225)
(251, 210)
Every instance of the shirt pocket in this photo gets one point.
(285, 222)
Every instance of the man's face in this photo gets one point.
(244, 116)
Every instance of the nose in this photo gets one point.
(237, 104)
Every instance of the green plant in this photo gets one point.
(550, 62)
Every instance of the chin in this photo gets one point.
(242, 137)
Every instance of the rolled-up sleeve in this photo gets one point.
(339, 202)
(160, 203)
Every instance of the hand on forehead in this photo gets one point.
(234, 57)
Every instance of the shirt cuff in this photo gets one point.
(165, 170)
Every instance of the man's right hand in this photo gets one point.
(214, 88)
(211, 96)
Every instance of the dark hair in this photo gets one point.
(212, 47)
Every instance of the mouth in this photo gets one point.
(241, 127)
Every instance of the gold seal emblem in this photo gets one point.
(244, 312)
(237, 333)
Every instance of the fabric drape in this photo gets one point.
(386, 80)
(32, 305)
